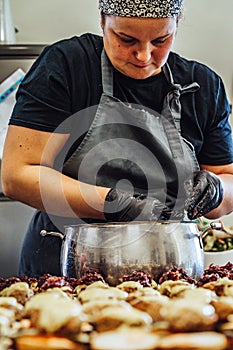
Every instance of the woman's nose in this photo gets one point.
(143, 53)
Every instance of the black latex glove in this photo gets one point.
(207, 194)
(122, 207)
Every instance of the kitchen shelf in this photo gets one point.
(13, 51)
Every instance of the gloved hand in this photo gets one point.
(206, 195)
(123, 207)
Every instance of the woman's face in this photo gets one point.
(138, 47)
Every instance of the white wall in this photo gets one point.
(46, 21)
(204, 34)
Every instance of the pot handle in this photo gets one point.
(51, 233)
(218, 226)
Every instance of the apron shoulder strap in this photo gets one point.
(107, 74)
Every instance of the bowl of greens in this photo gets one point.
(217, 242)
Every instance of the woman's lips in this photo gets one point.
(141, 66)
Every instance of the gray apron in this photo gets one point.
(135, 149)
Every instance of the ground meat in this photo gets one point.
(2, 283)
(5, 283)
(90, 277)
(208, 278)
(42, 279)
(44, 282)
(214, 272)
(55, 282)
(73, 282)
(176, 274)
(28, 280)
(12, 280)
(138, 276)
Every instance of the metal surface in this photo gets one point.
(14, 217)
(117, 249)
(20, 51)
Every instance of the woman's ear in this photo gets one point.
(102, 19)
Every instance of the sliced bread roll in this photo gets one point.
(194, 341)
(46, 342)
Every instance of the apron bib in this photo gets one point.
(135, 149)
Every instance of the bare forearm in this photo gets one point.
(46, 189)
(226, 206)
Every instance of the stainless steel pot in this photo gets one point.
(120, 248)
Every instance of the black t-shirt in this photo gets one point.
(66, 79)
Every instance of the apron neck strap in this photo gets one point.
(172, 105)
(177, 87)
(168, 73)
(107, 74)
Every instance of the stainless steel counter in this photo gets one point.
(14, 219)
(14, 216)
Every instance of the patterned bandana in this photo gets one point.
(141, 8)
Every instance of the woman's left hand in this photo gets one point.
(207, 194)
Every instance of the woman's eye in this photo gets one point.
(127, 40)
(159, 41)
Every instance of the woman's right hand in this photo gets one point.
(123, 207)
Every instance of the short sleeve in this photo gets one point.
(43, 98)
(217, 146)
